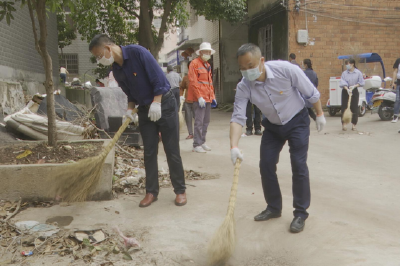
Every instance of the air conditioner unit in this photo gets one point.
(302, 36)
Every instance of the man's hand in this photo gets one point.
(202, 102)
(155, 111)
(236, 154)
(182, 99)
(321, 122)
(132, 116)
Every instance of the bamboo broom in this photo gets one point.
(347, 113)
(223, 242)
(74, 182)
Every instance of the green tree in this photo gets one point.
(113, 16)
(38, 13)
(66, 32)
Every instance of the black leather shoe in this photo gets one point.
(258, 132)
(297, 225)
(249, 132)
(266, 215)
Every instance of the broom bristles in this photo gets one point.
(347, 113)
(75, 181)
(181, 120)
(223, 242)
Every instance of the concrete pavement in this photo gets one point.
(354, 218)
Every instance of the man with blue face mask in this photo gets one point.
(275, 88)
(143, 81)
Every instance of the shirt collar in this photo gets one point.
(270, 75)
(124, 57)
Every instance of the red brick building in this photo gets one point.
(334, 27)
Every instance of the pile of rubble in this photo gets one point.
(130, 176)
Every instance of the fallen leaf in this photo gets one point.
(24, 154)
(126, 256)
(117, 212)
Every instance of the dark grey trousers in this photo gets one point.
(201, 122)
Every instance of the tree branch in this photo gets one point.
(129, 11)
(168, 5)
(34, 26)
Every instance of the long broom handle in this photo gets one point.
(180, 107)
(232, 198)
(117, 135)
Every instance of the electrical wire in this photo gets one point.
(353, 6)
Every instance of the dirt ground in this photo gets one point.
(32, 153)
(354, 218)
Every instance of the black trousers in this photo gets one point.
(312, 114)
(353, 104)
(297, 133)
(249, 115)
(168, 125)
(177, 96)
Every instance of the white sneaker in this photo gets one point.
(395, 119)
(205, 147)
(199, 149)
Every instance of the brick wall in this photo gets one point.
(330, 35)
(17, 46)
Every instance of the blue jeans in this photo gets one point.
(297, 133)
(397, 104)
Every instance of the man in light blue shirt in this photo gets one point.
(275, 88)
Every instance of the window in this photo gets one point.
(265, 41)
(70, 62)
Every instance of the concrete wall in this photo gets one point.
(232, 37)
(19, 60)
(80, 47)
(329, 38)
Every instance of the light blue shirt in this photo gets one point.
(352, 78)
(174, 79)
(278, 97)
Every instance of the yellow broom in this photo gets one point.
(74, 182)
(181, 117)
(223, 242)
(347, 113)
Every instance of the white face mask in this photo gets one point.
(106, 61)
(348, 67)
(206, 57)
(252, 74)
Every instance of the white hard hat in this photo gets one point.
(205, 46)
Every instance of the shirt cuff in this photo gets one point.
(239, 120)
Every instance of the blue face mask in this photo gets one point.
(348, 67)
(252, 74)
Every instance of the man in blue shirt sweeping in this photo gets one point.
(143, 81)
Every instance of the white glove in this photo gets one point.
(236, 154)
(320, 121)
(182, 99)
(133, 116)
(155, 111)
(202, 102)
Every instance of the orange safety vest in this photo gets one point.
(200, 81)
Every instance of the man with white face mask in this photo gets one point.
(201, 93)
(275, 88)
(143, 81)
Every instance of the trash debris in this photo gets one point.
(128, 241)
(94, 236)
(26, 253)
(67, 147)
(34, 227)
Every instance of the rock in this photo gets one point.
(133, 180)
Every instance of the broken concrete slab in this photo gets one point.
(32, 182)
(12, 97)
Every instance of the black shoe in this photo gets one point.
(258, 132)
(266, 215)
(297, 225)
(249, 132)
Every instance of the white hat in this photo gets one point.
(205, 46)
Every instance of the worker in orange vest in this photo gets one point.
(201, 93)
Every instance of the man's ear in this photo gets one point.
(262, 60)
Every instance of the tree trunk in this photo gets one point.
(41, 47)
(145, 26)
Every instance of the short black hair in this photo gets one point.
(351, 61)
(100, 40)
(293, 56)
(248, 48)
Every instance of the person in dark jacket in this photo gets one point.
(312, 76)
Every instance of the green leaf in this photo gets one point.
(2, 16)
(126, 256)
(8, 19)
(11, 8)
